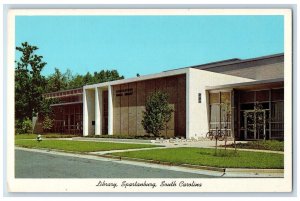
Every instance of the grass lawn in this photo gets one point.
(50, 135)
(79, 146)
(206, 157)
(273, 145)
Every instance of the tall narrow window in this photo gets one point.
(220, 111)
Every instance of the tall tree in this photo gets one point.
(57, 81)
(106, 76)
(68, 76)
(88, 78)
(29, 83)
(98, 77)
(76, 82)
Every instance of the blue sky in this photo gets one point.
(147, 44)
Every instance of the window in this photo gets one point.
(220, 111)
(277, 118)
(270, 101)
(214, 116)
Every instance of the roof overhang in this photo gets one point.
(252, 85)
(63, 104)
(137, 79)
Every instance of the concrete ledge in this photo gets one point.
(204, 167)
(252, 170)
(108, 156)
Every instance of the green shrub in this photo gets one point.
(274, 145)
(47, 124)
(23, 126)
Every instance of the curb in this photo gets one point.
(251, 170)
(205, 167)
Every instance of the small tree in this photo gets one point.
(226, 111)
(157, 113)
(258, 118)
(47, 124)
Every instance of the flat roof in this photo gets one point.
(229, 62)
(236, 61)
(245, 85)
(137, 79)
(167, 73)
(68, 103)
(64, 93)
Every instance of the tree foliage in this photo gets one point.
(157, 113)
(45, 109)
(61, 81)
(23, 126)
(29, 83)
(56, 82)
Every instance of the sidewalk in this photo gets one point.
(198, 144)
(135, 141)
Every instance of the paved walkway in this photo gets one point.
(125, 150)
(135, 141)
(200, 144)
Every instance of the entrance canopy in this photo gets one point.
(256, 109)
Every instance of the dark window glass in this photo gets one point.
(247, 97)
(277, 111)
(72, 119)
(249, 106)
(277, 94)
(262, 95)
(265, 105)
(277, 120)
(66, 120)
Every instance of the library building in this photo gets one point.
(245, 98)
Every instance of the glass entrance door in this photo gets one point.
(255, 124)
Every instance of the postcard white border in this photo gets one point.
(209, 185)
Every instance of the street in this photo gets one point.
(30, 164)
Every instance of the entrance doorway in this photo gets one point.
(255, 124)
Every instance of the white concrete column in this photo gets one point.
(187, 102)
(85, 115)
(98, 102)
(110, 110)
(89, 115)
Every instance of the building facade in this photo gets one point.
(68, 115)
(245, 98)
